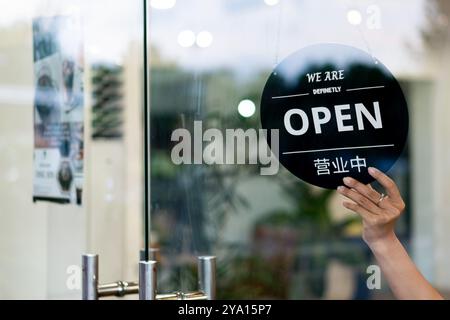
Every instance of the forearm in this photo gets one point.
(405, 280)
(379, 213)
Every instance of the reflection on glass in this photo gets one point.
(275, 237)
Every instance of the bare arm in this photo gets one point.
(379, 214)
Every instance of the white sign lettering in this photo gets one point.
(321, 116)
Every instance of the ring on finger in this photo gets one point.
(382, 197)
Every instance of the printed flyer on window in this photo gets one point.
(58, 109)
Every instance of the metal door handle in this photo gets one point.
(146, 287)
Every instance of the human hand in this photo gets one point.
(379, 212)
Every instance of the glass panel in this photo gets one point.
(275, 236)
(41, 243)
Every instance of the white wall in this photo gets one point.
(23, 225)
(439, 168)
(422, 154)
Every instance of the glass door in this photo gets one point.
(70, 144)
(72, 168)
(275, 236)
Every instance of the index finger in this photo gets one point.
(387, 183)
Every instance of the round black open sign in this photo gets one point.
(338, 110)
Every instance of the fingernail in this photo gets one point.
(340, 188)
(347, 180)
(373, 170)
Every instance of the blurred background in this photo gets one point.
(274, 237)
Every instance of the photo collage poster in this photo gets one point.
(58, 110)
